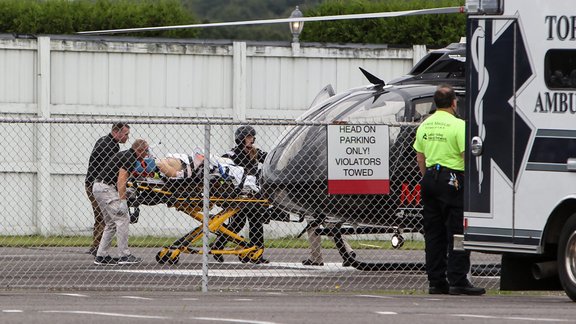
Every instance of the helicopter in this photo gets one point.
(295, 177)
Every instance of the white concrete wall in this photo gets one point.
(42, 166)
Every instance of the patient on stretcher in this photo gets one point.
(180, 165)
(175, 166)
(183, 166)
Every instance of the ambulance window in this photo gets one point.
(560, 69)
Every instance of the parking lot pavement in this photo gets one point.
(277, 308)
(70, 268)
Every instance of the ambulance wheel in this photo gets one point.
(163, 256)
(397, 241)
(567, 257)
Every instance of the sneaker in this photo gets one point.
(105, 260)
(309, 262)
(129, 259)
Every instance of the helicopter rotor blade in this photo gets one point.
(445, 10)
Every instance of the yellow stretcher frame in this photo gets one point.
(193, 207)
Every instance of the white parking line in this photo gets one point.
(107, 314)
(12, 311)
(136, 297)
(514, 318)
(375, 296)
(387, 313)
(248, 273)
(230, 320)
(73, 295)
(289, 269)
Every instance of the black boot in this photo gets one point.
(218, 244)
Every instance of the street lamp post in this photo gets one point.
(296, 28)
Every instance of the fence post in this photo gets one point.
(206, 208)
(44, 223)
(239, 80)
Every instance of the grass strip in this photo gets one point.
(154, 241)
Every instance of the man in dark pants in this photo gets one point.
(106, 147)
(246, 155)
(439, 149)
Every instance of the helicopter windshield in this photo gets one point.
(385, 108)
(332, 114)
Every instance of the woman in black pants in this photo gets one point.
(246, 155)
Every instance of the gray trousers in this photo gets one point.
(116, 218)
(315, 242)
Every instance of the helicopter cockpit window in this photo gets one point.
(337, 110)
(454, 67)
(384, 108)
(292, 142)
(423, 109)
(425, 63)
(319, 107)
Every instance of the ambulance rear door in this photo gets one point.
(498, 66)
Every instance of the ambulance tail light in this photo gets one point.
(485, 7)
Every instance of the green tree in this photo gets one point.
(243, 10)
(67, 17)
(432, 30)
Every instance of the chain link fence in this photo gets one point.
(347, 242)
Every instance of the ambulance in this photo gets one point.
(520, 195)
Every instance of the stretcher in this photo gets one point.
(186, 195)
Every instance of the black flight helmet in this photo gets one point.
(242, 132)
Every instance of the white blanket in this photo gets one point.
(229, 170)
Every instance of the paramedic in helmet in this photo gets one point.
(246, 155)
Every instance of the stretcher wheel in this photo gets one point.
(397, 241)
(169, 256)
(174, 257)
(162, 256)
(251, 256)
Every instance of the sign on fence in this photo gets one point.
(358, 159)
